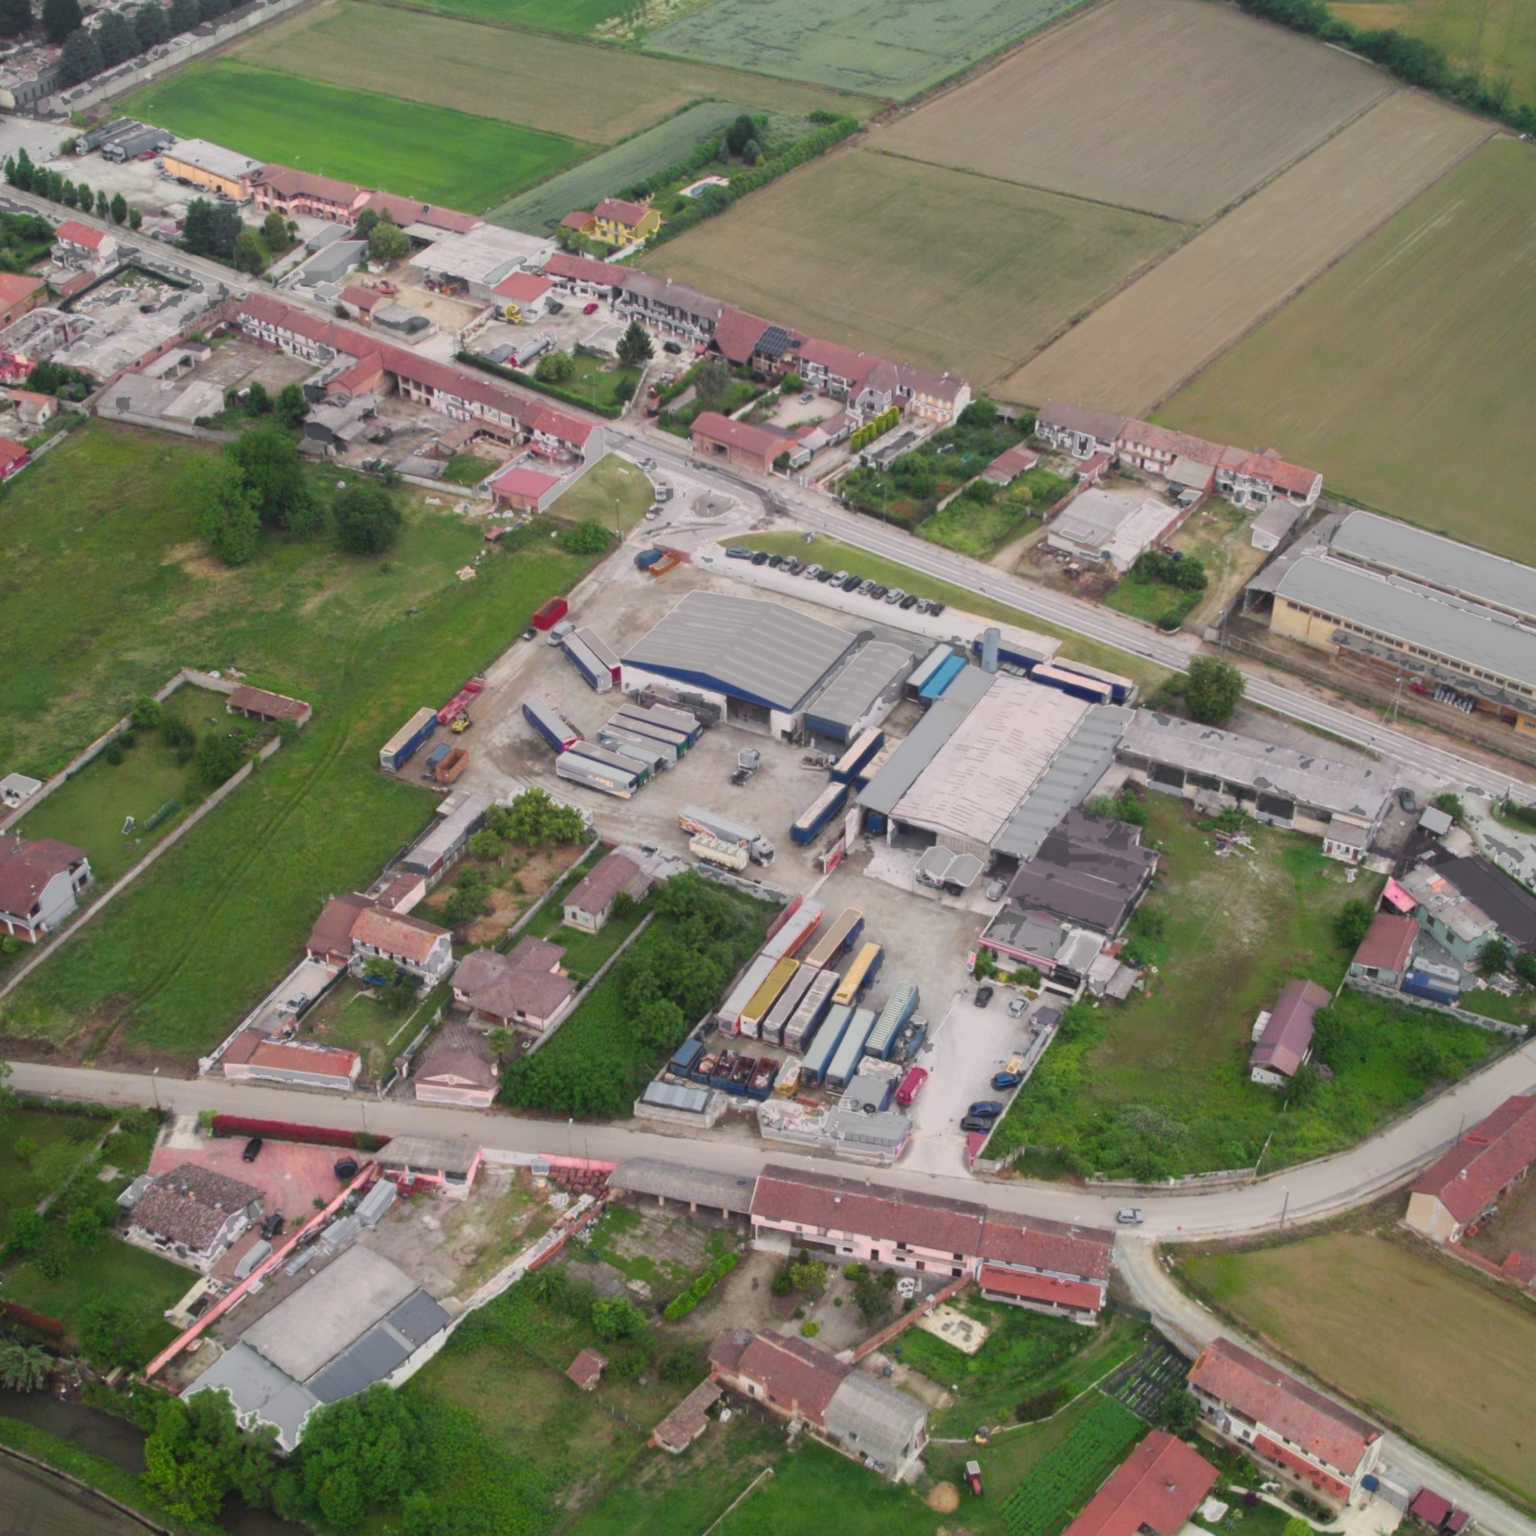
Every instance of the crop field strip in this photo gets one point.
(1159, 332)
(575, 18)
(1173, 107)
(1407, 373)
(436, 153)
(584, 90)
(864, 249)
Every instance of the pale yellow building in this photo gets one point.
(211, 167)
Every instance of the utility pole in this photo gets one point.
(155, 1079)
(1285, 1206)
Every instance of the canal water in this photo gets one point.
(34, 1503)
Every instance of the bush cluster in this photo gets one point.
(683, 1304)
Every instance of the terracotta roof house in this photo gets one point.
(258, 704)
(738, 334)
(586, 1370)
(1045, 1266)
(321, 197)
(1387, 948)
(1153, 1492)
(738, 442)
(1292, 1431)
(521, 990)
(688, 1420)
(1077, 429)
(517, 488)
(13, 457)
(419, 948)
(1456, 1189)
(40, 884)
(456, 1068)
(19, 293)
(580, 220)
(585, 274)
(1285, 1041)
(1436, 1512)
(588, 906)
(843, 1407)
(193, 1214)
(76, 242)
(363, 300)
(253, 1057)
(33, 409)
(526, 289)
(330, 940)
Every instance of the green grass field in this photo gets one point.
(853, 45)
(1159, 1086)
(407, 147)
(892, 256)
(1496, 38)
(605, 175)
(1344, 1305)
(1406, 372)
(26, 1180)
(573, 16)
(167, 970)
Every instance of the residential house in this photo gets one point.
(1044, 1266)
(40, 885)
(457, 1067)
(739, 443)
(580, 221)
(1257, 479)
(1155, 1491)
(361, 302)
(1099, 526)
(293, 193)
(449, 1166)
(1157, 450)
(525, 989)
(20, 293)
(32, 409)
(936, 397)
(274, 708)
(78, 245)
(1283, 1040)
(420, 949)
(1077, 429)
(330, 941)
(833, 1401)
(1433, 1512)
(13, 457)
(1462, 903)
(254, 1057)
(1386, 951)
(194, 1214)
(673, 308)
(833, 369)
(737, 336)
(1489, 1160)
(616, 222)
(584, 276)
(1089, 870)
(586, 1370)
(519, 488)
(1295, 1433)
(589, 905)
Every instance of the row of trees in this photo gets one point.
(117, 39)
(42, 181)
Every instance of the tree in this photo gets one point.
(1353, 922)
(1495, 956)
(60, 19)
(367, 221)
(23, 1367)
(135, 218)
(614, 1318)
(1181, 1413)
(224, 514)
(249, 255)
(211, 229)
(374, 1439)
(197, 1455)
(183, 16)
(588, 537)
(20, 171)
(635, 345)
(1213, 688)
(1525, 969)
(15, 17)
(23, 1230)
(269, 463)
(175, 732)
(291, 407)
(741, 133)
(151, 26)
(118, 208)
(387, 242)
(147, 712)
(117, 39)
(367, 519)
(500, 1042)
(212, 10)
(103, 207)
(1295, 1526)
(554, 367)
(711, 380)
(80, 60)
(110, 1332)
(486, 845)
(218, 757)
(274, 232)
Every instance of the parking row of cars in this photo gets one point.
(846, 581)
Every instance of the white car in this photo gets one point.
(1017, 1006)
(1129, 1216)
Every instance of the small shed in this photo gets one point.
(586, 1370)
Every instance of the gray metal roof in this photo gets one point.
(677, 1096)
(761, 652)
(1318, 782)
(417, 1318)
(1412, 615)
(873, 670)
(925, 741)
(426, 1154)
(1438, 562)
(1075, 769)
(678, 1181)
(258, 1389)
(874, 1419)
(368, 1360)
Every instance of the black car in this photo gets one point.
(672, 347)
(878, 591)
(935, 608)
(909, 601)
(823, 576)
(272, 1225)
(760, 558)
(252, 1150)
(975, 1123)
(983, 996)
(775, 561)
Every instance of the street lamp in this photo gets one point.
(155, 1080)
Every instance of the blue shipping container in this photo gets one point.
(947, 672)
(396, 752)
(684, 1057)
(848, 767)
(1432, 988)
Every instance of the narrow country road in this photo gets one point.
(1404, 1463)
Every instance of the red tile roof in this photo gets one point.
(577, 219)
(361, 298)
(1144, 434)
(1013, 462)
(795, 1375)
(737, 334)
(15, 286)
(519, 480)
(1010, 1238)
(1287, 1036)
(25, 868)
(715, 428)
(1291, 478)
(11, 452)
(1388, 942)
(586, 1368)
(1468, 1178)
(523, 286)
(585, 269)
(286, 182)
(872, 1210)
(1324, 1481)
(1520, 1266)
(616, 211)
(290, 1056)
(1267, 1395)
(73, 232)
(396, 933)
(332, 933)
(840, 361)
(1157, 1488)
(259, 701)
(1043, 1288)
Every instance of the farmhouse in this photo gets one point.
(193, 1214)
(1108, 527)
(78, 245)
(589, 906)
(20, 293)
(1077, 429)
(838, 1404)
(40, 885)
(13, 457)
(456, 1068)
(1153, 1492)
(258, 704)
(418, 948)
(293, 193)
(1258, 479)
(585, 276)
(1453, 1193)
(1044, 1266)
(330, 941)
(1158, 449)
(739, 443)
(1283, 1041)
(615, 222)
(1386, 951)
(211, 167)
(1294, 1433)
(525, 989)
(32, 409)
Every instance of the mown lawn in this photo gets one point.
(96, 532)
(407, 147)
(1159, 1086)
(613, 492)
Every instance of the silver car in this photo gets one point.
(1129, 1216)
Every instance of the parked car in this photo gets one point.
(983, 996)
(1002, 1080)
(909, 601)
(812, 571)
(252, 1150)
(272, 1225)
(911, 1085)
(995, 889)
(935, 609)
(806, 398)
(589, 309)
(923, 605)
(825, 576)
(790, 566)
(775, 561)
(988, 1109)
(975, 1123)
(736, 552)
(1129, 1216)
(530, 633)
(840, 577)
(895, 595)
(1407, 799)
(760, 558)
(653, 511)
(673, 347)
(1017, 1006)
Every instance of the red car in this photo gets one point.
(590, 309)
(911, 1086)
